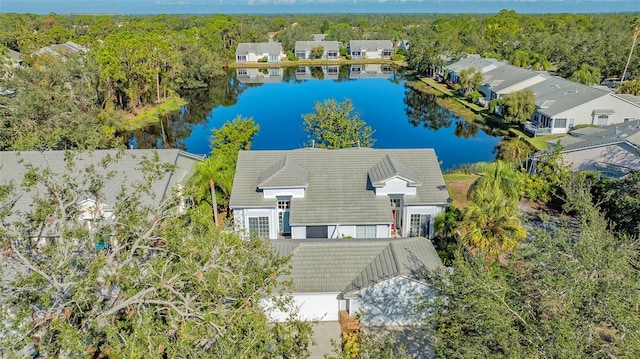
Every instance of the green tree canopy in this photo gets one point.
(517, 107)
(317, 52)
(333, 125)
(145, 282)
(587, 74)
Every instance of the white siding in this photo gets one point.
(322, 307)
(283, 192)
(396, 185)
(584, 113)
(298, 232)
(384, 231)
(432, 211)
(392, 302)
(242, 219)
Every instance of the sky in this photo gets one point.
(313, 6)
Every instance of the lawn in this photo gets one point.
(458, 185)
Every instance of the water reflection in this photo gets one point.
(259, 76)
(363, 71)
(423, 110)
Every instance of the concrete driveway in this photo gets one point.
(323, 333)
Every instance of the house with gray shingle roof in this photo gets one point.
(507, 79)
(331, 49)
(345, 193)
(376, 279)
(483, 65)
(562, 104)
(66, 49)
(611, 151)
(370, 49)
(123, 170)
(252, 52)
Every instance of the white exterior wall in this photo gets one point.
(293, 192)
(241, 218)
(321, 307)
(432, 211)
(583, 114)
(521, 85)
(298, 232)
(396, 186)
(391, 302)
(383, 231)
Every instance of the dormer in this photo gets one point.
(284, 178)
(390, 176)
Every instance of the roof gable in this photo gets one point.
(284, 173)
(388, 168)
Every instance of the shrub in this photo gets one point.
(292, 57)
(264, 59)
(397, 57)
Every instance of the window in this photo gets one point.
(629, 119)
(560, 123)
(366, 231)
(419, 225)
(301, 54)
(259, 226)
(301, 70)
(332, 54)
(283, 215)
(241, 58)
(242, 72)
(386, 53)
(333, 69)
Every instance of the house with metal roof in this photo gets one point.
(331, 49)
(370, 49)
(379, 280)
(483, 65)
(507, 79)
(562, 104)
(120, 169)
(254, 52)
(611, 151)
(345, 193)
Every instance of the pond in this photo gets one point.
(276, 98)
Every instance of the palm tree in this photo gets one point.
(491, 224)
(636, 33)
(498, 176)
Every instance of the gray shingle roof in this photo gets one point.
(506, 76)
(338, 188)
(62, 49)
(258, 48)
(370, 45)
(125, 171)
(472, 61)
(388, 168)
(348, 265)
(309, 45)
(626, 132)
(284, 173)
(562, 95)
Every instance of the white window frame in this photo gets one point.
(419, 225)
(366, 231)
(261, 226)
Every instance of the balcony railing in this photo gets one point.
(535, 130)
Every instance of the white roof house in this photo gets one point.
(562, 104)
(68, 48)
(376, 279)
(331, 49)
(345, 193)
(370, 49)
(252, 52)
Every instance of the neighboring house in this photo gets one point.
(124, 171)
(66, 49)
(507, 79)
(476, 62)
(370, 49)
(318, 72)
(562, 104)
(404, 44)
(319, 37)
(331, 49)
(351, 192)
(362, 71)
(253, 52)
(252, 75)
(378, 280)
(612, 151)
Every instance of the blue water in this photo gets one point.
(277, 109)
